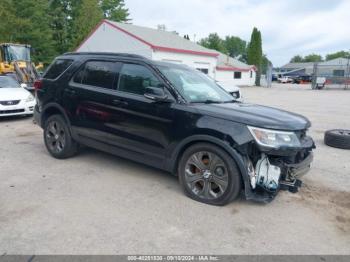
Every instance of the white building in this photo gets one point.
(162, 45)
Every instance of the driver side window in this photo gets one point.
(135, 78)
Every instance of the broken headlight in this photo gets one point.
(274, 138)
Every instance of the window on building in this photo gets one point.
(338, 73)
(57, 68)
(251, 73)
(135, 78)
(97, 73)
(203, 70)
(237, 75)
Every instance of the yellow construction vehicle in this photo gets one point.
(15, 60)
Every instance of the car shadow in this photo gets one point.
(167, 178)
(123, 163)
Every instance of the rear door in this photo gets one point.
(88, 98)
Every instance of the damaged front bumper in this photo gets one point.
(278, 169)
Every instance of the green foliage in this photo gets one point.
(114, 10)
(255, 54)
(339, 54)
(313, 58)
(213, 41)
(297, 59)
(265, 63)
(319, 58)
(61, 13)
(231, 45)
(87, 17)
(21, 25)
(235, 46)
(56, 26)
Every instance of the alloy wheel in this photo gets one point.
(55, 137)
(206, 175)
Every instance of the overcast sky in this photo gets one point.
(288, 27)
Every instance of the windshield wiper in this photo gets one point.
(209, 101)
(231, 101)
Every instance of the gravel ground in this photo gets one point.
(96, 203)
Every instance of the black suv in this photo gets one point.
(174, 118)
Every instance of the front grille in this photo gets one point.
(4, 112)
(9, 102)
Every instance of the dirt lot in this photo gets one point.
(96, 203)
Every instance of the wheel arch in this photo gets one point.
(52, 109)
(180, 149)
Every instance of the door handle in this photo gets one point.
(119, 102)
(70, 91)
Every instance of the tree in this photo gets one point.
(297, 59)
(26, 22)
(313, 58)
(114, 10)
(338, 54)
(213, 41)
(87, 15)
(254, 53)
(265, 63)
(60, 12)
(235, 46)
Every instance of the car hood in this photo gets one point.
(228, 87)
(256, 115)
(13, 94)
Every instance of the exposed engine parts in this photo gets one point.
(264, 175)
(274, 177)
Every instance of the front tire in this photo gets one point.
(58, 139)
(209, 175)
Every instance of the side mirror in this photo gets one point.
(156, 94)
(23, 85)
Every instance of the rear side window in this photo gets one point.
(97, 73)
(57, 68)
(135, 78)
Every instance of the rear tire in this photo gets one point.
(58, 139)
(217, 181)
(337, 138)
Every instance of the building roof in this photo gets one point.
(336, 62)
(298, 65)
(159, 39)
(228, 63)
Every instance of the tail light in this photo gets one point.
(38, 84)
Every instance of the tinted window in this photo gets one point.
(237, 75)
(135, 78)
(203, 70)
(57, 68)
(8, 82)
(97, 73)
(338, 72)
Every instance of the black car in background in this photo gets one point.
(174, 118)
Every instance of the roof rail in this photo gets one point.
(105, 54)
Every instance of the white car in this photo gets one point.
(235, 91)
(14, 99)
(285, 80)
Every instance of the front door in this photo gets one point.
(143, 125)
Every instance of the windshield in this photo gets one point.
(8, 82)
(194, 86)
(17, 53)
